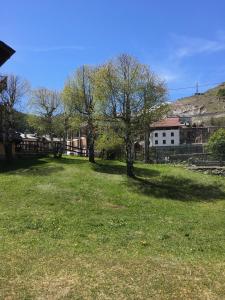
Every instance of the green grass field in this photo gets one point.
(70, 230)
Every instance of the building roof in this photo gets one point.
(29, 137)
(5, 52)
(168, 122)
(48, 138)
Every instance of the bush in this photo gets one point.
(216, 144)
(221, 93)
(110, 145)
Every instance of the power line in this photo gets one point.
(194, 86)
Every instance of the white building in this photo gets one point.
(166, 132)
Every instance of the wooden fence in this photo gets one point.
(45, 148)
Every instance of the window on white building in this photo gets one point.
(164, 134)
(172, 133)
(156, 142)
(172, 142)
(164, 142)
(156, 134)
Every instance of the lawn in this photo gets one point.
(72, 230)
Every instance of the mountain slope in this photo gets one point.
(208, 103)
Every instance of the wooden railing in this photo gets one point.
(39, 147)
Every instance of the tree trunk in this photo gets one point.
(130, 163)
(129, 152)
(8, 151)
(146, 149)
(91, 142)
(65, 134)
(6, 129)
(128, 137)
(91, 151)
(54, 148)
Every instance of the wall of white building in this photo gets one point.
(167, 137)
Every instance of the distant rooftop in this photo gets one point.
(168, 122)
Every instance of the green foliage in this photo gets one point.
(130, 94)
(221, 93)
(35, 124)
(21, 123)
(154, 94)
(78, 95)
(41, 125)
(109, 144)
(78, 92)
(216, 143)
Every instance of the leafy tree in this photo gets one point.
(216, 143)
(128, 93)
(117, 85)
(153, 92)
(109, 143)
(21, 121)
(78, 94)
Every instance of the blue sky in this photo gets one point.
(182, 41)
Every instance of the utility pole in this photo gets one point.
(197, 89)
(197, 92)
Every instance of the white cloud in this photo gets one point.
(175, 70)
(168, 75)
(189, 46)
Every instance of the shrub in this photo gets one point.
(221, 93)
(216, 144)
(110, 145)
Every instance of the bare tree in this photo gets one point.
(46, 104)
(10, 96)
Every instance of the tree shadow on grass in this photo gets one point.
(29, 166)
(39, 166)
(74, 160)
(20, 164)
(174, 188)
(152, 183)
(112, 168)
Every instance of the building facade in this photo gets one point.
(165, 132)
(175, 131)
(165, 137)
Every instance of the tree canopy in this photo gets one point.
(78, 94)
(115, 102)
(128, 91)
